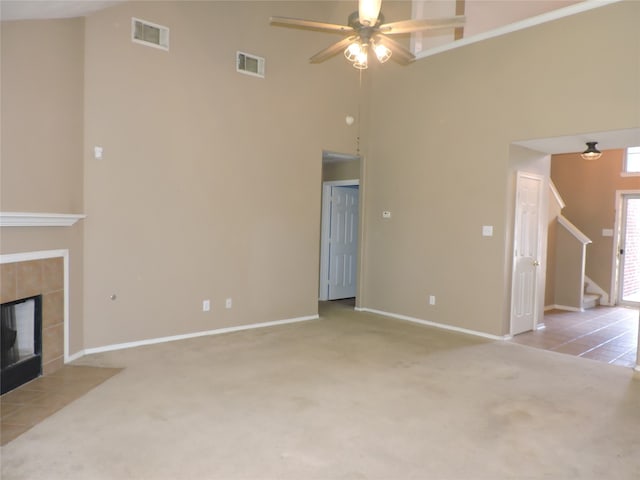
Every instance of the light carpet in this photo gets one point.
(350, 396)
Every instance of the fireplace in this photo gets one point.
(21, 341)
(41, 274)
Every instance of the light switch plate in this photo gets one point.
(487, 230)
(386, 214)
(607, 232)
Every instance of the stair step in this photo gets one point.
(590, 300)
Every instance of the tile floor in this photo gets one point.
(606, 334)
(29, 404)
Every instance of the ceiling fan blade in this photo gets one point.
(409, 26)
(368, 11)
(330, 51)
(309, 25)
(400, 54)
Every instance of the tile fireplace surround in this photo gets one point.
(46, 277)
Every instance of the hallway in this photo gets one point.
(606, 334)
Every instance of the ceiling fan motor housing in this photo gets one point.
(354, 21)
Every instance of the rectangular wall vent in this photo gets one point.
(150, 34)
(250, 64)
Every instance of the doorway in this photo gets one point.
(525, 288)
(628, 249)
(339, 239)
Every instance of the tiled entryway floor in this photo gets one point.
(606, 334)
(29, 404)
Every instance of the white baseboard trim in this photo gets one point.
(75, 356)
(441, 326)
(218, 331)
(563, 307)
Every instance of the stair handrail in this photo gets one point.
(556, 194)
(573, 230)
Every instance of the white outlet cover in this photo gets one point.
(487, 230)
(98, 152)
(386, 214)
(206, 305)
(228, 303)
(607, 232)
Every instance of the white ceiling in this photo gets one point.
(41, 9)
(577, 143)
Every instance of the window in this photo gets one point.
(632, 161)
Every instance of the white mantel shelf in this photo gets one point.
(22, 219)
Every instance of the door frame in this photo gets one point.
(323, 293)
(616, 271)
(541, 273)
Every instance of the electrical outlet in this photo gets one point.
(432, 299)
(228, 303)
(206, 305)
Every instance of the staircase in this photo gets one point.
(590, 300)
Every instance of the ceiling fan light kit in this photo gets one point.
(366, 30)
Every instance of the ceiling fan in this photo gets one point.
(366, 31)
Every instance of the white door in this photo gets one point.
(343, 242)
(526, 252)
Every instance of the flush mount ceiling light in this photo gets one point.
(591, 153)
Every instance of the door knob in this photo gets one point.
(536, 263)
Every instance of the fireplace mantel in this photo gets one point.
(23, 219)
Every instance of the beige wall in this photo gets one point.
(439, 159)
(589, 190)
(209, 185)
(348, 170)
(42, 137)
(189, 202)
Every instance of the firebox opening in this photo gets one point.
(21, 342)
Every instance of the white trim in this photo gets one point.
(562, 307)
(43, 255)
(617, 238)
(24, 219)
(556, 194)
(219, 331)
(75, 356)
(323, 293)
(442, 326)
(594, 288)
(573, 230)
(521, 25)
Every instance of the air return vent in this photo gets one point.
(150, 34)
(250, 64)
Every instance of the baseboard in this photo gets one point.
(563, 307)
(75, 356)
(218, 331)
(441, 326)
